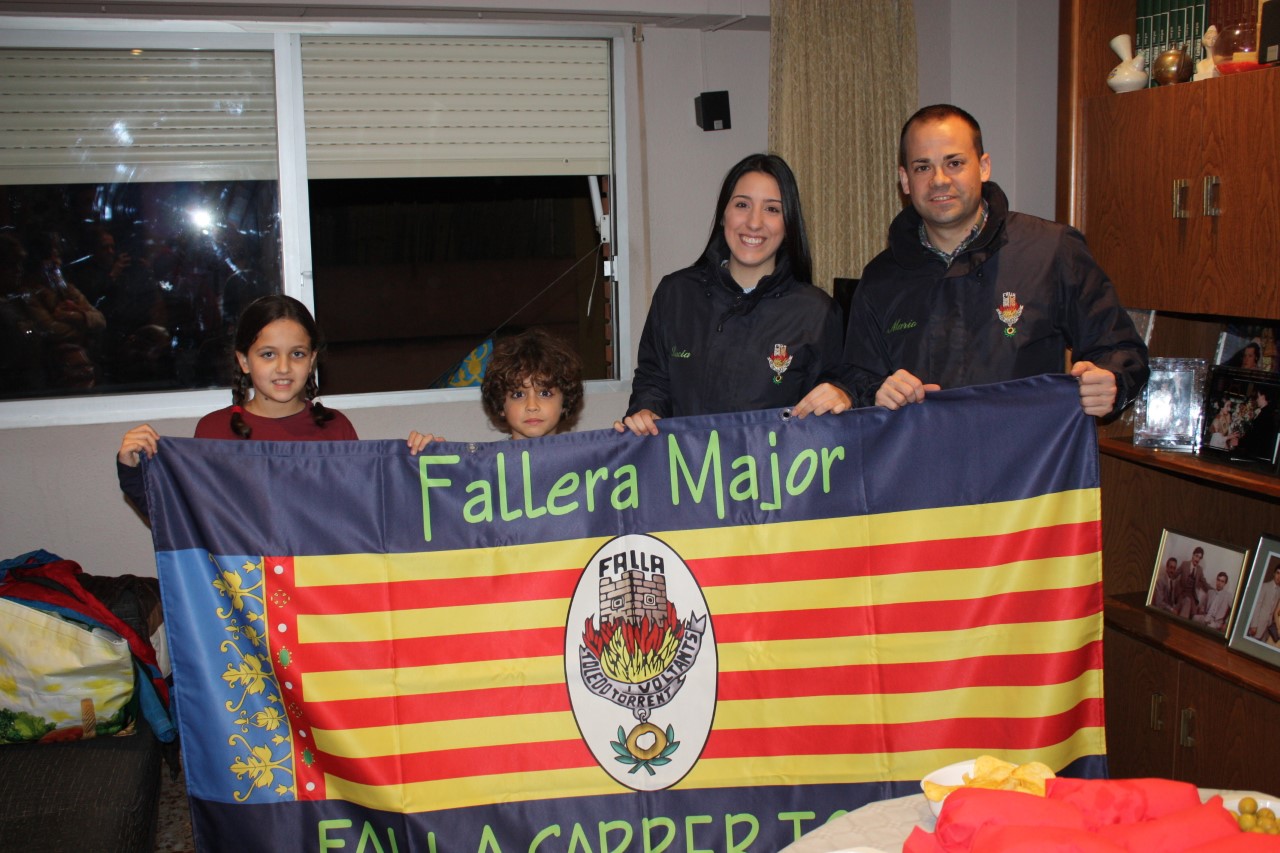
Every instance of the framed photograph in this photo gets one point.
(1240, 416)
(1197, 581)
(1256, 631)
(1250, 346)
(1170, 411)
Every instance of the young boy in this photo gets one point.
(533, 385)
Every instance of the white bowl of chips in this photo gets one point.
(943, 781)
(985, 771)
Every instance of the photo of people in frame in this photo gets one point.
(1249, 347)
(1197, 581)
(1257, 629)
(1240, 418)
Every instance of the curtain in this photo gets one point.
(843, 82)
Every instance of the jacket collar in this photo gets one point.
(716, 259)
(909, 252)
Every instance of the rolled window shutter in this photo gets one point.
(104, 116)
(455, 107)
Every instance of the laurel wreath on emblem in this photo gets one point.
(659, 753)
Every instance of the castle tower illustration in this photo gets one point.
(631, 595)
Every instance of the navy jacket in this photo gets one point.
(911, 311)
(706, 345)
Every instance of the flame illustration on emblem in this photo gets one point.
(638, 657)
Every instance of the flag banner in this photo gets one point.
(715, 639)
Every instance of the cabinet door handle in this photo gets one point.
(1185, 735)
(1180, 199)
(1157, 712)
(1211, 193)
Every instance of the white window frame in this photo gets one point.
(284, 40)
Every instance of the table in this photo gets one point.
(880, 826)
(883, 826)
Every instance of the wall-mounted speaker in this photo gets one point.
(712, 110)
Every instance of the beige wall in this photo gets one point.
(60, 485)
(999, 60)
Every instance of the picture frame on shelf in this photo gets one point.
(1170, 411)
(1144, 320)
(1256, 631)
(1250, 346)
(1241, 420)
(1197, 581)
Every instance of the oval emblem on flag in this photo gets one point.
(640, 662)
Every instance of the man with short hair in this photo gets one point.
(970, 292)
(1191, 582)
(1217, 604)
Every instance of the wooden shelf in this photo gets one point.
(1129, 614)
(1242, 477)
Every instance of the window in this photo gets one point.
(140, 212)
(453, 190)
(451, 201)
(413, 275)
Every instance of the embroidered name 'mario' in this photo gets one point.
(680, 353)
(901, 326)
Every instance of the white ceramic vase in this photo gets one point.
(1130, 75)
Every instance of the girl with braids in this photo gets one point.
(276, 345)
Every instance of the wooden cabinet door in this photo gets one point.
(1127, 207)
(1234, 744)
(1141, 687)
(1241, 154)
(1165, 247)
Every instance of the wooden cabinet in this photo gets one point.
(1145, 491)
(1141, 689)
(1178, 199)
(1180, 703)
(1180, 706)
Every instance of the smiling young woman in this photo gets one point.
(742, 328)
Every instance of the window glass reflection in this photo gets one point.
(113, 288)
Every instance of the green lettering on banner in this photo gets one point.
(594, 478)
(689, 822)
(578, 842)
(796, 819)
(806, 456)
(552, 831)
(610, 825)
(626, 493)
(648, 824)
(829, 456)
(370, 837)
(327, 843)
(774, 478)
(506, 513)
(744, 486)
(530, 510)
(429, 483)
(479, 509)
(710, 465)
(564, 487)
(731, 821)
(488, 842)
